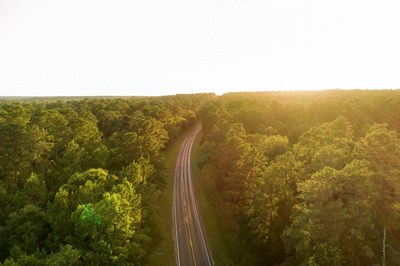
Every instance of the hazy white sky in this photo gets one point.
(158, 47)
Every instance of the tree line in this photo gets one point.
(313, 178)
(80, 178)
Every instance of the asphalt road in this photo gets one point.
(191, 247)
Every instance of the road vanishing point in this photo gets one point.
(191, 247)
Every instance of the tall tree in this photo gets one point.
(333, 210)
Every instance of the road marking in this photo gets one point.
(185, 192)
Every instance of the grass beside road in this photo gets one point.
(220, 228)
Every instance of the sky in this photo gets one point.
(164, 47)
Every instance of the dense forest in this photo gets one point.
(312, 178)
(80, 178)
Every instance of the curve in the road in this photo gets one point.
(191, 246)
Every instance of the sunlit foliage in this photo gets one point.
(313, 178)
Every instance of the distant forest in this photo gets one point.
(312, 178)
(80, 179)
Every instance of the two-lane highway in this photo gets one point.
(191, 247)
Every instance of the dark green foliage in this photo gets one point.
(26, 227)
